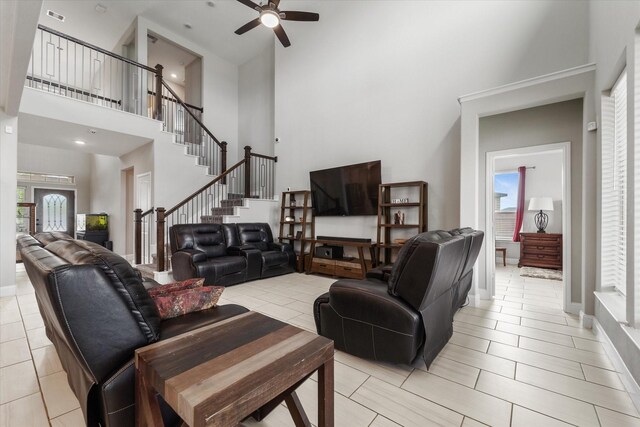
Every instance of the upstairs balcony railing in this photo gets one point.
(70, 67)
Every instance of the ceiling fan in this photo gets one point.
(270, 16)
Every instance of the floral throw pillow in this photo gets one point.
(180, 302)
(197, 282)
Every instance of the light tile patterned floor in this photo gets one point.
(518, 360)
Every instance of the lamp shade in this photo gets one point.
(541, 204)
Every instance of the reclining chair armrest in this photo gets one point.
(354, 299)
(281, 247)
(239, 250)
(184, 263)
(195, 254)
(383, 273)
(253, 256)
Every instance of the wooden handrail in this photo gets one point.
(262, 156)
(215, 181)
(193, 107)
(94, 47)
(181, 102)
(147, 212)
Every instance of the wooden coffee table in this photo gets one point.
(220, 374)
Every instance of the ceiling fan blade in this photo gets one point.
(275, 2)
(249, 3)
(292, 15)
(282, 36)
(248, 26)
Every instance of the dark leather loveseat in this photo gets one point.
(397, 314)
(226, 254)
(97, 312)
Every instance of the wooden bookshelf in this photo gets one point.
(297, 205)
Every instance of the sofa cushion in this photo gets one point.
(208, 238)
(221, 266)
(255, 234)
(122, 276)
(47, 237)
(274, 259)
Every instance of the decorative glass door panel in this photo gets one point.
(55, 210)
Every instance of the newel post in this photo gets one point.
(157, 105)
(223, 160)
(247, 171)
(137, 220)
(160, 238)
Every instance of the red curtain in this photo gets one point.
(522, 170)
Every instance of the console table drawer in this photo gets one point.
(354, 272)
(536, 250)
(322, 267)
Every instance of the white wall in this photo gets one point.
(48, 160)
(8, 183)
(390, 91)
(193, 82)
(219, 84)
(256, 103)
(106, 196)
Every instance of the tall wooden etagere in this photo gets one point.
(297, 222)
(388, 203)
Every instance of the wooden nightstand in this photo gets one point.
(541, 250)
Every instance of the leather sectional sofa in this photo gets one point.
(227, 254)
(397, 314)
(97, 312)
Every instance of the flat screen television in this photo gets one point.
(346, 190)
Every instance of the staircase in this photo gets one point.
(118, 83)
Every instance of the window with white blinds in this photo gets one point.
(614, 187)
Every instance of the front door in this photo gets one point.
(55, 210)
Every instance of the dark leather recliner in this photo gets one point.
(226, 254)
(473, 244)
(394, 316)
(277, 258)
(201, 250)
(97, 312)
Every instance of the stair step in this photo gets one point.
(211, 219)
(231, 203)
(235, 196)
(222, 211)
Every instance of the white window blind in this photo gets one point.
(614, 188)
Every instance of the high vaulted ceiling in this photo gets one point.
(212, 26)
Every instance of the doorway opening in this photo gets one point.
(528, 220)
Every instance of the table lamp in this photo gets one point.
(541, 204)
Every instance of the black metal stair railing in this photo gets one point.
(251, 177)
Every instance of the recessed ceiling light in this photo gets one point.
(93, 131)
(174, 75)
(188, 26)
(101, 8)
(79, 142)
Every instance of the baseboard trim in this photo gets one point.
(7, 291)
(627, 379)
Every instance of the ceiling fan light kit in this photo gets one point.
(271, 17)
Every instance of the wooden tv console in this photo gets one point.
(353, 268)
